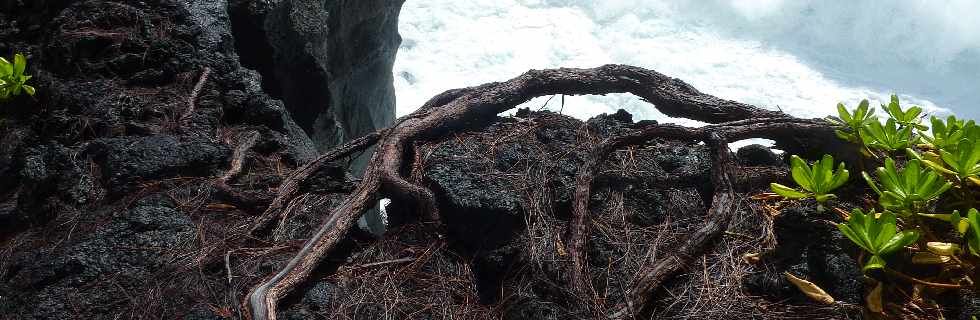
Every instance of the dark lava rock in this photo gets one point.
(651, 206)
(125, 253)
(45, 172)
(472, 202)
(492, 267)
(758, 155)
(612, 124)
(809, 248)
(683, 159)
(969, 305)
(128, 162)
(113, 80)
(329, 61)
(246, 100)
(315, 301)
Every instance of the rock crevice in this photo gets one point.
(328, 61)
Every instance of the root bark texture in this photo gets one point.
(471, 108)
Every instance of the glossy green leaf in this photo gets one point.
(819, 179)
(20, 63)
(888, 137)
(965, 161)
(905, 190)
(853, 122)
(12, 78)
(6, 68)
(973, 233)
(876, 235)
(906, 118)
(787, 192)
(947, 135)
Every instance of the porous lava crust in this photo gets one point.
(146, 181)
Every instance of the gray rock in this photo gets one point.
(811, 249)
(217, 42)
(330, 62)
(129, 161)
(758, 155)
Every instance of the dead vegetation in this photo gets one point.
(470, 108)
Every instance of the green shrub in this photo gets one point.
(888, 137)
(861, 117)
(13, 79)
(947, 159)
(908, 190)
(946, 135)
(817, 181)
(877, 235)
(962, 163)
(905, 118)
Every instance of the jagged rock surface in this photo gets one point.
(109, 200)
(329, 61)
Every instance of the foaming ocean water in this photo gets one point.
(802, 57)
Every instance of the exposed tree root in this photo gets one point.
(192, 98)
(651, 276)
(227, 193)
(474, 107)
(579, 227)
(718, 137)
(238, 157)
(289, 187)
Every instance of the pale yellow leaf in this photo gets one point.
(929, 258)
(874, 299)
(810, 289)
(943, 248)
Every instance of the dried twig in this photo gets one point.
(192, 99)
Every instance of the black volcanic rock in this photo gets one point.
(129, 162)
(809, 247)
(758, 155)
(329, 61)
(109, 205)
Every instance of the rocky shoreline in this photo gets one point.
(163, 128)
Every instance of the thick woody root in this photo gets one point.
(468, 109)
(579, 227)
(290, 187)
(723, 205)
(774, 128)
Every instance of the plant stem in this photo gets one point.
(923, 282)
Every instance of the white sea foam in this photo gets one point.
(799, 56)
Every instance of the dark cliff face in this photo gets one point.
(113, 202)
(118, 199)
(329, 61)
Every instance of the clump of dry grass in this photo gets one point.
(411, 276)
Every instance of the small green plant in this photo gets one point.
(817, 181)
(877, 235)
(946, 135)
(13, 79)
(908, 190)
(906, 118)
(969, 227)
(946, 159)
(860, 118)
(963, 163)
(888, 137)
